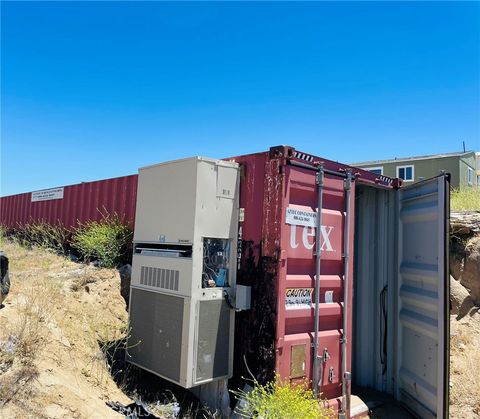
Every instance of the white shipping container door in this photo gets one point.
(423, 294)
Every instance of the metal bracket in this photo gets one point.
(347, 185)
(326, 355)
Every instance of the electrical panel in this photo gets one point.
(184, 270)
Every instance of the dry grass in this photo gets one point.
(22, 335)
(465, 366)
(57, 312)
(465, 199)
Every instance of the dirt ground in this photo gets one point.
(56, 319)
(465, 366)
(62, 318)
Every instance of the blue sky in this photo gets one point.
(95, 90)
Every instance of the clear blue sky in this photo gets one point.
(96, 90)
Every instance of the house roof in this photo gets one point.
(408, 159)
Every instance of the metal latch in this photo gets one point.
(326, 355)
(319, 177)
(331, 375)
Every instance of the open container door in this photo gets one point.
(423, 298)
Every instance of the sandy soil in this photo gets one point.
(465, 366)
(56, 319)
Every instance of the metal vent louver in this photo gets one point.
(385, 179)
(159, 278)
(303, 156)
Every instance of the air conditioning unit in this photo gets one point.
(184, 270)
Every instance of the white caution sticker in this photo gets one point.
(298, 297)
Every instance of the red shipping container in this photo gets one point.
(73, 204)
(279, 198)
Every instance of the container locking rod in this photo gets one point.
(346, 279)
(319, 180)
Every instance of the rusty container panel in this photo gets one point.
(80, 203)
(277, 259)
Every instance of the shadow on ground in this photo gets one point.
(381, 405)
(142, 385)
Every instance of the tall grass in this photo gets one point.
(107, 241)
(44, 235)
(465, 199)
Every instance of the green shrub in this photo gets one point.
(42, 234)
(465, 199)
(278, 400)
(106, 240)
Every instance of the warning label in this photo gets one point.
(300, 217)
(47, 194)
(298, 297)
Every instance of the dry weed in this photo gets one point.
(465, 367)
(50, 335)
(20, 350)
(81, 282)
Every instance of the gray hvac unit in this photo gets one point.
(184, 270)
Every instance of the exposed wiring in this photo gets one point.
(216, 254)
(248, 369)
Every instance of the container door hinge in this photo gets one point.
(331, 375)
(348, 180)
(320, 175)
(326, 355)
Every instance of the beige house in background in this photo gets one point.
(463, 166)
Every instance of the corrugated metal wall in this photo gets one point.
(80, 203)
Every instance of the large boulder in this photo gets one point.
(465, 223)
(460, 300)
(457, 257)
(465, 251)
(470, 275)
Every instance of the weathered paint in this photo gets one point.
(80, 203)
(278, 256)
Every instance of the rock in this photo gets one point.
(4, 277)
(467, 222)
(457, 257)
(125, 272)
(460, 298)
(470, 275)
